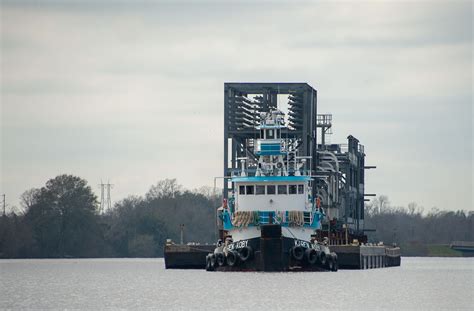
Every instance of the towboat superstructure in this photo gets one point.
(278, 193)
(272, 202)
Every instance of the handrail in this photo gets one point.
(284, 218)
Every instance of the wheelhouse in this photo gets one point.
(271, 193)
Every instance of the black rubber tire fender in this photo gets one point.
(311, 256)
(232, 258)
(208, 263)
(322, 258)
(297, 252)
(335, 264)
(220, 259)
(330, 263)
(245, 253)
(213, 261)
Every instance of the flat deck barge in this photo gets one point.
(187, 256)
(355, 257)
(366, 256)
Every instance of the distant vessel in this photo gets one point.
(270, 217)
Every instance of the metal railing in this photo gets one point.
(274, 217)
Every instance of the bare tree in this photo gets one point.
(167, 188)
(29, 198)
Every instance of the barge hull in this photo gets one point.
(366, 256)
(180, 256)
(348, 257)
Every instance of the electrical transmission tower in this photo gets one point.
(4, 204)
(105, 198)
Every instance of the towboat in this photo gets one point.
(270, 219)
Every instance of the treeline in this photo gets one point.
(61, 220)
(413, 228)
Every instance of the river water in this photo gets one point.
(420, 283)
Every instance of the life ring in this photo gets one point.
(297, 252)
(311, 256)
(245, 253)
(232, 258)
(220, 259)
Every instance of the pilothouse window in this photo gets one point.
(282, 189)
(300, 189)
(241, 189)
(250, 189)
(270, 134)
(271, 189)
(292, 189)
(260, 190)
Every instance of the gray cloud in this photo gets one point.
(133, 92)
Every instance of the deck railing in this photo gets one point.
(283, 218)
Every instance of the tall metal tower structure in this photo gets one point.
(105, 198)
(338, 170)
(243, 103)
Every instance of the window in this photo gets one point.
(259, 189)
(269, 134)
(282, 189)
(250, 189)
(300, 189)
(271, 189)
(241, 189)
(261, 134)
(278, 134)
(292, 189)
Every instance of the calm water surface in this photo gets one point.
(421, 284)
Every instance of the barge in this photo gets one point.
(186, 256)
(291, 200)
(363, 257)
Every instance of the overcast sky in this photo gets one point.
(134, 93)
